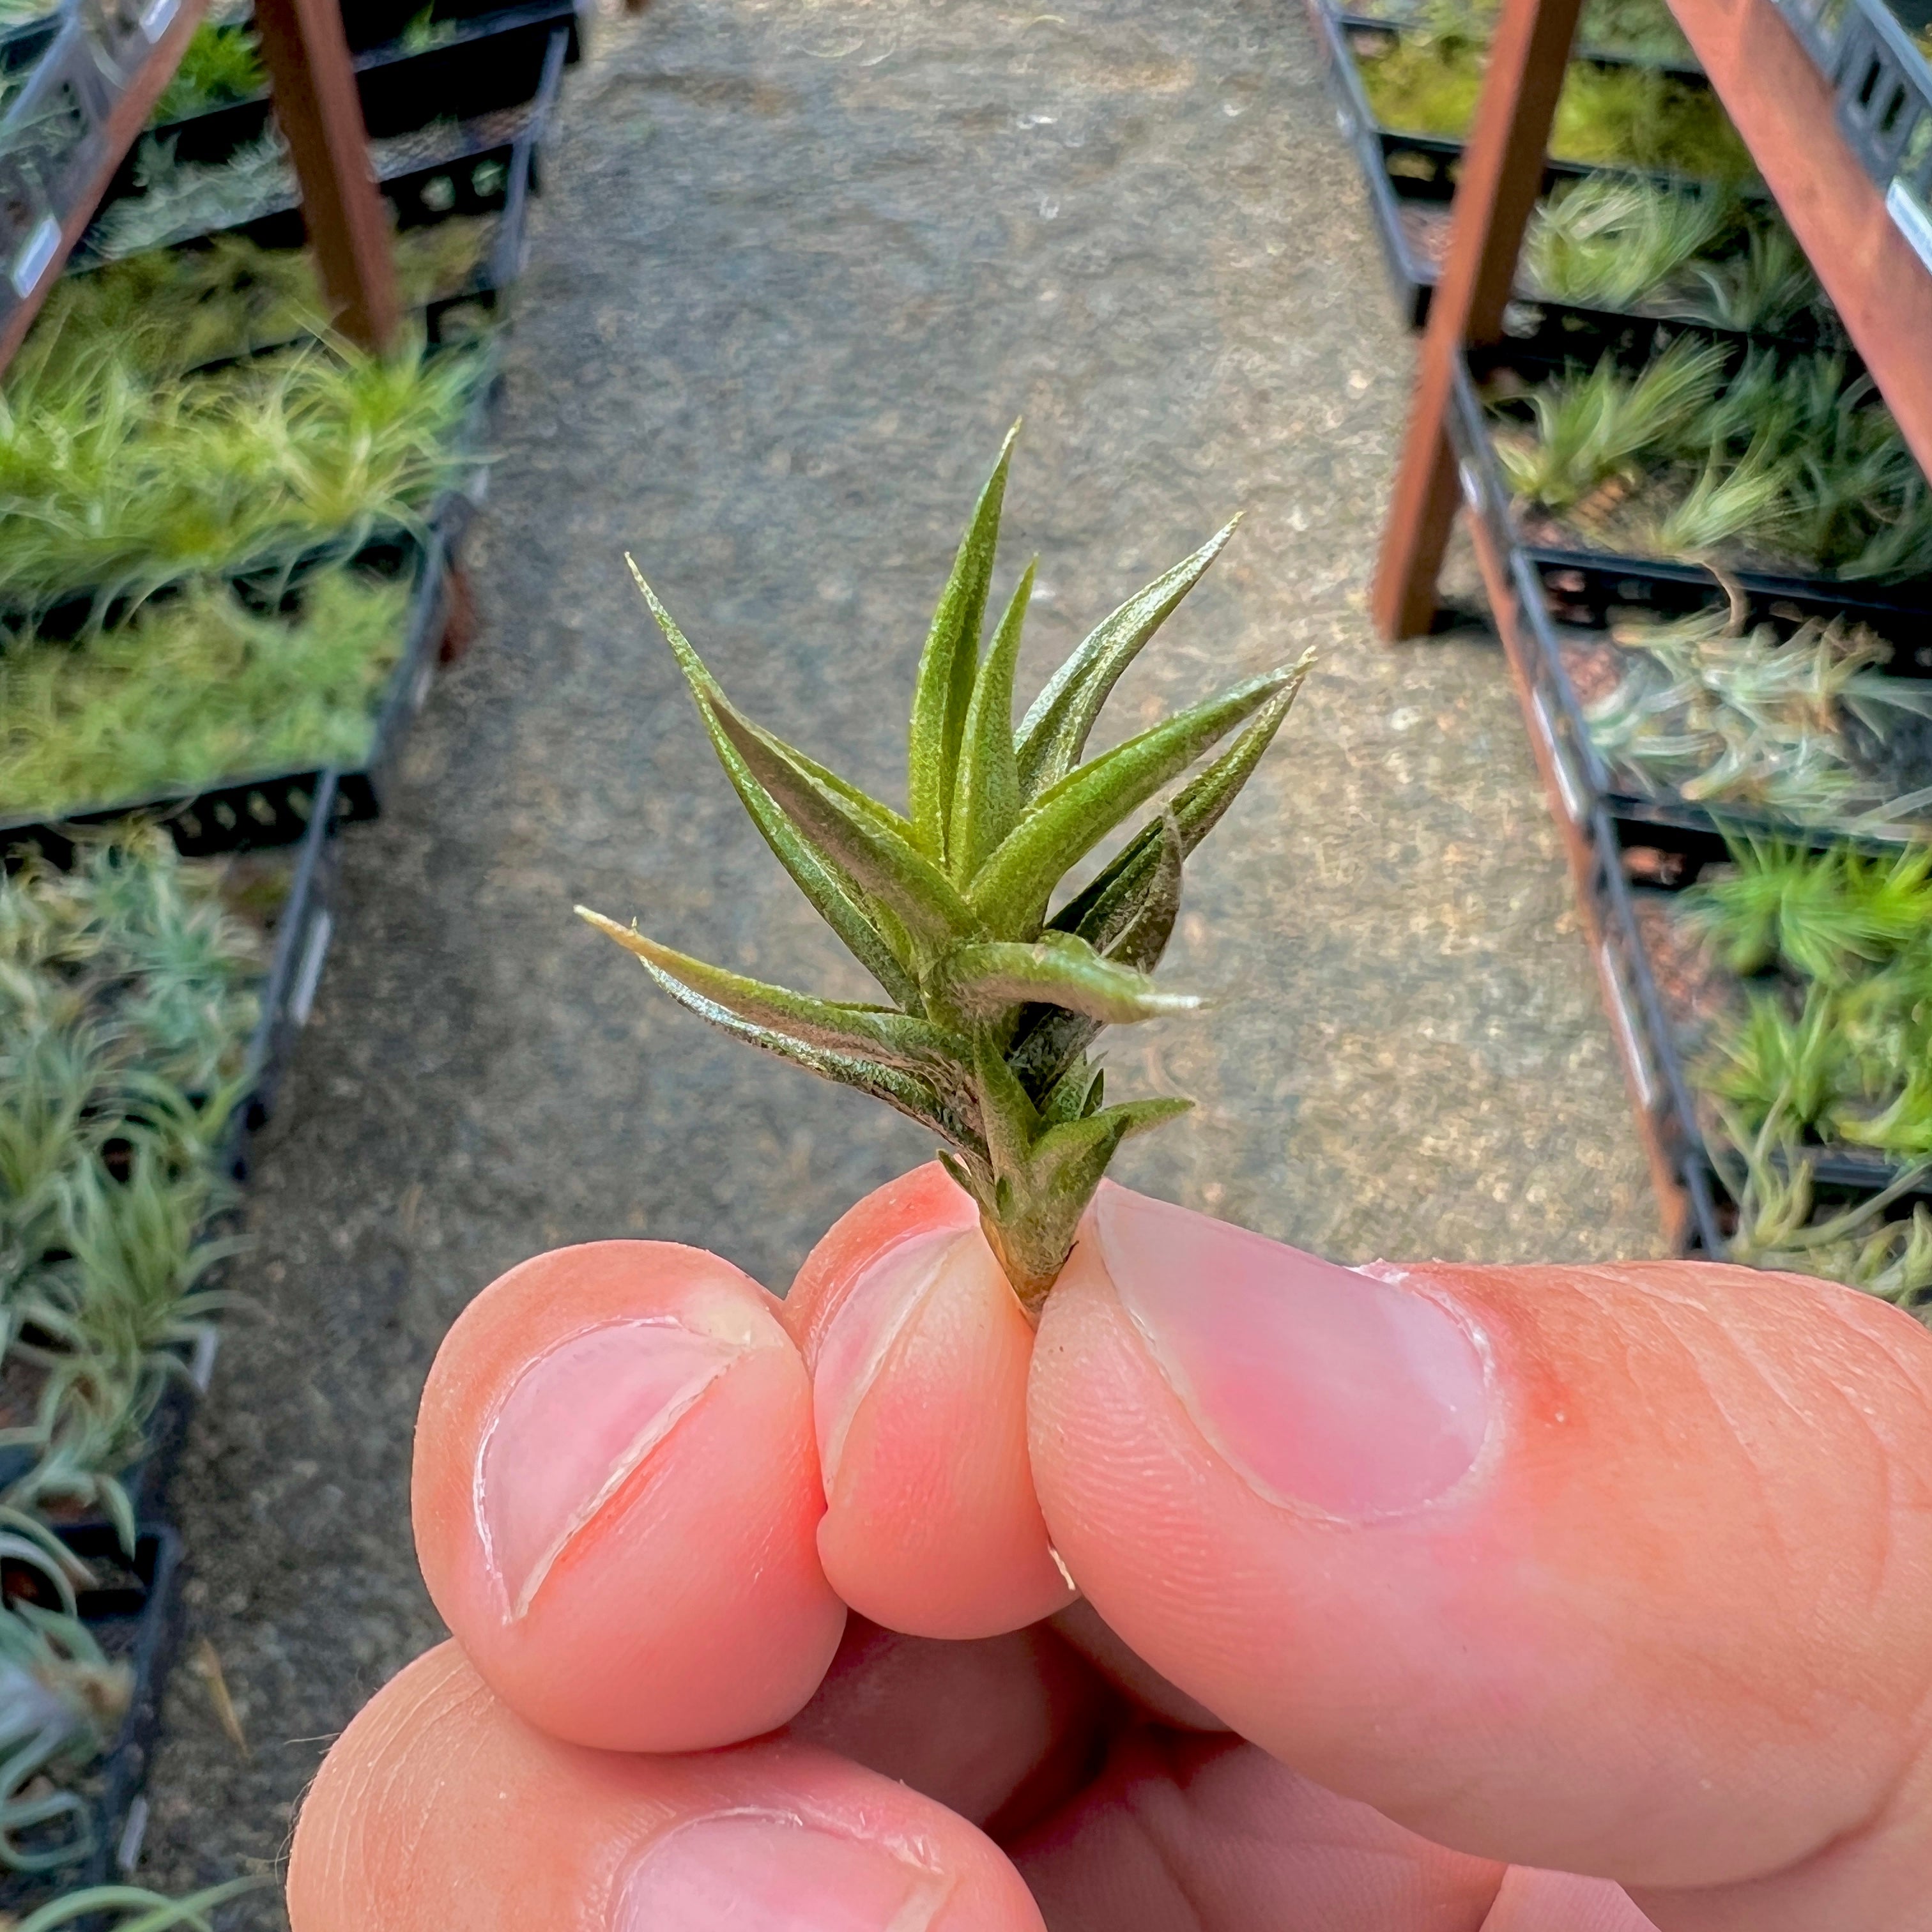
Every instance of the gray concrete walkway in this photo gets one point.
(798, 264)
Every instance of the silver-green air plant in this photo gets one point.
(997, 995)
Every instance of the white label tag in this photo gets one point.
(207, 1346)
(302, 1001)
(1910, 217)
(128, 1852)
(157, 17)
(36, 252)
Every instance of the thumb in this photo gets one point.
(1622, 1571)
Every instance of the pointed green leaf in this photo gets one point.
(944, 687)
(877, 860)
(1074, 1095)
(1055, 731)
(828, 893)
(912, 1094)
(986, 799)
(1010, 1117)
(1111, 908)
(1066, 821)
(834, 1026)
(979, 981)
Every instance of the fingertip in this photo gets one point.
(918, 1389)
(615, 1496)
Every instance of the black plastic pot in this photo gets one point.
(136, 1613)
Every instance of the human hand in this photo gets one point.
(1623, 1571)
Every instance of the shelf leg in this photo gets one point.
(307, 55)
(1502, 174)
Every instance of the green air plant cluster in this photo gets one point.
(1807, 728)
(129, 996)
(133, 1908)
(196, 689)
(221, 65)
(1428, 81)
(1788, 464)
(1833, 1039)
(1772, 1178)
(175, 200)
(15, 13)
(996, 995)
(118, 483)
(1698, 253)
(61, 1701)
(171, 310)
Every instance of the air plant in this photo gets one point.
(221, 64)
(1791, 463)
(117, 484)
(1772, 1179)
(61, 1701)
(1771, 1059)
(1643, 27)
(1766, 287)
(1830, 916)
(137, 1909)
(121, 981)
(996, 996)
(15, 13)
(1589, 430)
(1715, 715)
(1427, 80)
(175, 200)
(197, 689)
(1607, 242)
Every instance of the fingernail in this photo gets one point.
(1326, 1389)
(574, 1427)
(859, 1337)
(761, 1872)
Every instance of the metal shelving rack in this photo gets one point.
(89, 95)
(1834, 103)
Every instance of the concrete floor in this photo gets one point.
(798, 264)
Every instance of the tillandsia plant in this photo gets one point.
(1773, 1180)
(1833, 1039)
(61, 1701)
(1806, 728)
(133, 1908)
(128, 997)
(1786, 464)
(221, 64)
(997, 995)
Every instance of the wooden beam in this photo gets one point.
(1502, 174)
(306, 56)
(1786, 111)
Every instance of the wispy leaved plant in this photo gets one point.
(997, 994)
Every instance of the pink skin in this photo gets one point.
(548, 1531)
(1500, 1574)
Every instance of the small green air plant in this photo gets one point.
(1766, 287)
(135, 1909)
(117, 484)
(61, 1702)
(221, 65)
(996, 997)
(1427, 79)
(168, 311)
(175, 200)
(1771, 1177)
(1789, 464)
(1829, 917)
(112, 1324)
(1609, 242)
(1588, 430)
(1840, 1047)
(128, 1002)
(197, 689)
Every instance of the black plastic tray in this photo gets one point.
(375, 26)
(1424, 177)
(136, 1614)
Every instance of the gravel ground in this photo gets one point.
(796, 267)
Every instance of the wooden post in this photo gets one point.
(1502, 175)
(306, 56)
